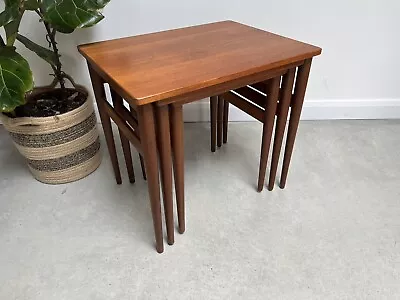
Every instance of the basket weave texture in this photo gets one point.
(58, 149)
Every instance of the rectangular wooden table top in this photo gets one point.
(158, 66)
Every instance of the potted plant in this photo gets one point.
(53, 127)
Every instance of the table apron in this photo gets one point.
(224, 87)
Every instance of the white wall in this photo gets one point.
(356, 76)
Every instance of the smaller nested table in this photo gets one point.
(158, 73)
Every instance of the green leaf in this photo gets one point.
(15, 79)
(11, 27)
(42, 52)
(11, 30)
(31, 4)
(67, 15)
(12, 2)
(9, 14)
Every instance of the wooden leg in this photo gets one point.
(164, 149)
(142, 166)
(100, 97)
(134, 115)
(149, 145)
(176, 120)
(297, 105)
(118, 105)
(220, 116)
(225, 121)
(213, 117)
(284, 103)
(268, 125)
(128, 158)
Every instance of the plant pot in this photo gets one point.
(61, 148)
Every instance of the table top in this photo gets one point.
(162, 65)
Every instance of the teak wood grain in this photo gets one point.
(158, 66)
(158, 73)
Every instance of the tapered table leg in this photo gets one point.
(225, 122)
(100, 96)
(284, 103)
(119, 106)
(164, 149)
(213, 118)
(268, 125)
(176, 119)
(220, 117)
(297, 105)
(149, 145)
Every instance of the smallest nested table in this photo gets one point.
(158, 73)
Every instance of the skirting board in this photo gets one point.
(312, 110)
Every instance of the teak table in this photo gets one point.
(157, 73)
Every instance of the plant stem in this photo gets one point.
(52, 38)
(51, 35)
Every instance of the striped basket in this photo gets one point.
(58, 149)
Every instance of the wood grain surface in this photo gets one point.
(158, 66)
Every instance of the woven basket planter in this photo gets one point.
(58, 149)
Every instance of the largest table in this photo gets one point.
(157, 73)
